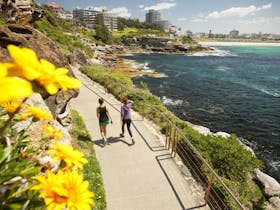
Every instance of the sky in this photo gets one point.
(221, 16)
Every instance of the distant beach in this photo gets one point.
(276, 44)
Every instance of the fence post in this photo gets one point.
(143, 112)
(175, 144)
(207, 193)
(170, 136)
(174, 140)
(166, 134)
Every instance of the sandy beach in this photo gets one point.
(275, 44)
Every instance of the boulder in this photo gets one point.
(222, 134)
(80, 57)
(268, 184)
(273, 203)
(201, 129)
(26, 36)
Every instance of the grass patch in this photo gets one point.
(91, 171)
(131, 32)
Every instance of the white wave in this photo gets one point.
(223, 68)
(140, 66)
(215, 52)
(129, 54)
(170, 102)
(268, 92)
(212, 109)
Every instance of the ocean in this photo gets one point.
(235, 89)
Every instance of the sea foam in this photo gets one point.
(215, 52)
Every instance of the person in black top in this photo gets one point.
(103, 116)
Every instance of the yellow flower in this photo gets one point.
(12, 87)
(55, 134)
(11, 106)
(36, 112)
(68, 155)
(64, 190)
(27, 65)
(52, 190)
(26, 62)
(53, 79)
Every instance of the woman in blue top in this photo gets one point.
(126, 117)
(103, 115)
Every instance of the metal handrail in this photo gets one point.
(194, 150)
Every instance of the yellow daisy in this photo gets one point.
(36, 112)
(52, 190)
(11, 106)
(27, 65)
(26, 62)
(54, 78)
(12, 87)
(64, 190)
(54, 134)
(70, 156)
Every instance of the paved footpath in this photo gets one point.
(138, 177)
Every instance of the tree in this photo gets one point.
(103, 34)
(187, 40)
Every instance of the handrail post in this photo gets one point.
(143, 113)
(207, 193)
(166, 134)
(176, 142)
(170, 136)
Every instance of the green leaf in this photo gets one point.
(4, 153)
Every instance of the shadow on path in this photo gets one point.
(110, 140)
(163, 157)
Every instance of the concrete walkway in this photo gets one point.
(138, 177)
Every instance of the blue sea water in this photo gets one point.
(235, 89)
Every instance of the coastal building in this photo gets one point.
(173, 29)
(163, 25)
(153, 16)
(234, 33)
(59, 10)
(55, 7)
(86, 15)
(66, 15)
(91, 18)
(104, 18)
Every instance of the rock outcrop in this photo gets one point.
(162, 45)
(270, 186)
(19, 11)
(26, 36)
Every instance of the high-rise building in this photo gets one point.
(104, 18)
(163, 25)
(234, 33)
(153, 16)
(87, 16)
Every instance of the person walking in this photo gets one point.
(103, 116)
(126, 117)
